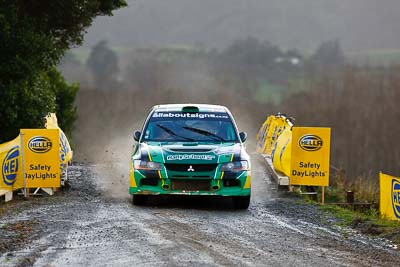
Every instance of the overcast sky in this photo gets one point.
(303, 24)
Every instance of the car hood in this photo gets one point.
(194, 153)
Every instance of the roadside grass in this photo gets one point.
(5, 207)
(345, 215)
(377, 57)
(16, 234)
(20, 204)
(365, 219)
(268, 93)
(364, 215)
(364, 188)
(369, 223)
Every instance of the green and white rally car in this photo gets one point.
(190, 149)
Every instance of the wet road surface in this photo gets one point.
(95, 224)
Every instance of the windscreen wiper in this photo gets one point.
(166, 129)
(204, 132)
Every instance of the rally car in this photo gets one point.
(190, 149)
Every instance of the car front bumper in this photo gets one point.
(240, 186)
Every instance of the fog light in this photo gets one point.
(215, 187)
(165, 186)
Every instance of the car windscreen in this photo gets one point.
(190, 127)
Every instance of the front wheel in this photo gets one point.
(139, 200)
(241, 202)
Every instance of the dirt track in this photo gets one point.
(94, 226)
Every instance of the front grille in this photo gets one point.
(191, 167)
(191, 185)
(190, 177)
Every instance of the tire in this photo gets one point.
(241, 203)
(139, 200)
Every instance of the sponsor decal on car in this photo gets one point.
(189, 115)
(190, 157)
(190, 169)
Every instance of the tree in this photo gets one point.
(329, 53)
(251, 52)
(23, 105)
(146, 72)
(64, 95)
(34, 36)
(29, 101)
(103, 63)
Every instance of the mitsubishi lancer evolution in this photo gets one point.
(190, 149)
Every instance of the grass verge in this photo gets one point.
(367, 222)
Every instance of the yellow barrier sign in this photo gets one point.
(275, 128)
(389, 196)
(281, 157)
(310, 156)
(65, 148)
(11, 165)
(41, 157)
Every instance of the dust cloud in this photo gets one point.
(313, 60)
(107, 118)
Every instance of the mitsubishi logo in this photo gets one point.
(190, 169)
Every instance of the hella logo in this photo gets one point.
(40, 144)
(310, 142)
(396, 197)
(10, 166)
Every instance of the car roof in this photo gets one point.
(179, 107)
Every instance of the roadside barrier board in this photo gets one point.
(310, 156)
(36, 158)
(41, 158)
(65, 148)
(276, 127)
(389, 196)
(282, 152)
(11, 169)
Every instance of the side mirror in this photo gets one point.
(243, 136)
(136, 135)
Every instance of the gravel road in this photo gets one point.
(95, 224)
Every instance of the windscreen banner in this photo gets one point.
(310, 156)
(389, 204)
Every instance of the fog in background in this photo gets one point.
(358, 24)
(257, 57)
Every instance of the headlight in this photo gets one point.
(235, 166)
(146, 165)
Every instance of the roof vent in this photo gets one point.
(190, 109)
